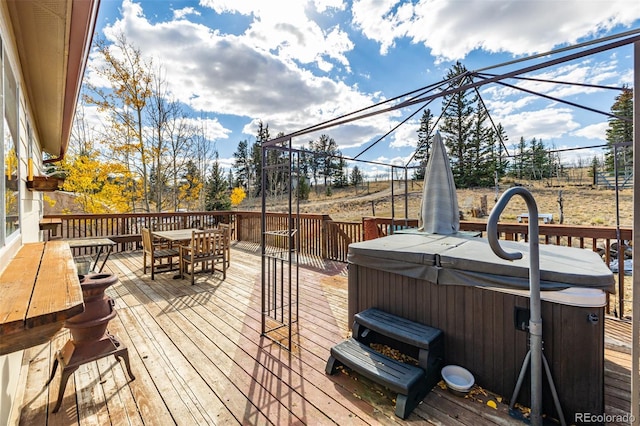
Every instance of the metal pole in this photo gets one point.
(635, 330)
(535, 320)
(620, 250)
(393, 206)
(290, 241)
(621, 296)
(406, 198)
(263, 221)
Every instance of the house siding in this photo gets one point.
(30, 208)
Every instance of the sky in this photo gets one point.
(295, 63)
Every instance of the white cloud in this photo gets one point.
(500, 108)
(545, 124)
(292, 70)
(593, 131)
(405, 135)
(252, 75)
(211, 128)
(291, 35)
(376, 21)
(323, 6)
(508, 105)
(186, 11)
(243, 7)
(518, 27)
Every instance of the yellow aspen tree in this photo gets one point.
(130, 77)
(97, 185)
(237, 196)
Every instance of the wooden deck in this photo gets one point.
(199, 358)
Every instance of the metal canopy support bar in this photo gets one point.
(372, 111)
(279, 245)
(635, 328)
(621, 246)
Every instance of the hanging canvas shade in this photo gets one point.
(439, 211)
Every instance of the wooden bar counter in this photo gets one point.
(39, 290)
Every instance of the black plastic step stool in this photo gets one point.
(408, 381)
(421, 341)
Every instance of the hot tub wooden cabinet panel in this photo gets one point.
(480, 334)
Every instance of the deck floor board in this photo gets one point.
(199, 358)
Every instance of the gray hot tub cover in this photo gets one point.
(458, 259)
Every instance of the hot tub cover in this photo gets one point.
(458, 259)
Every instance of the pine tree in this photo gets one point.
(262, 135)
(340, 176)
(424, 143)
(314, 163)
(479, 151)
(500, 155)
(522, 158)
(326, 153)
(621, 131)
(216, 190)
(356, 176)
(242, 165)
(231, 180)
(458, 118)
(303, 188)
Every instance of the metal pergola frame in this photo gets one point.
(466, 81)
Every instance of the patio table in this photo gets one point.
(175, 236)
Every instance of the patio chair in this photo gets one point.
(205, 246)
(157, 254)
(226, 229)
(164, 226)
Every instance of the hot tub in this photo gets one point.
(457, 284)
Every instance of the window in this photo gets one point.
(9, 130)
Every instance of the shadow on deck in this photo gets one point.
(199, 358)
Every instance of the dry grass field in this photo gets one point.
(582, 205)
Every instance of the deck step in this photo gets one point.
(395, 327)
(408, 381)
(411, 338)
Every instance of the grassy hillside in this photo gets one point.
(582, 205)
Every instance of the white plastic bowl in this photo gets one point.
(458, 378)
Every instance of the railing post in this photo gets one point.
(238, 223)
(324, 232)
(370, 228)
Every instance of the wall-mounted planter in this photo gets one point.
(44, 183)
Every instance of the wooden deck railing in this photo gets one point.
(329, 239)
(125, 228)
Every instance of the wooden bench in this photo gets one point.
(408, 381)
(423, 342)
(39, 290)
